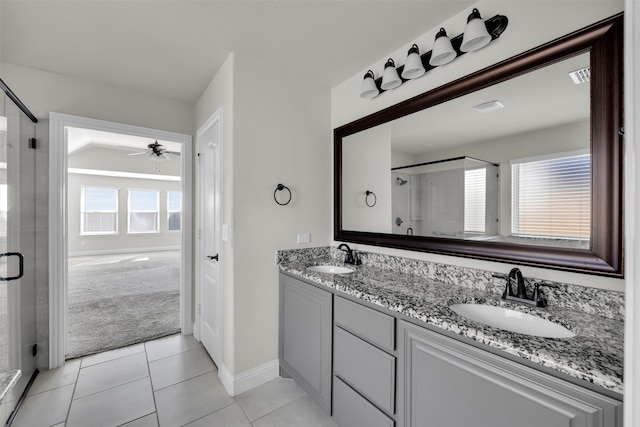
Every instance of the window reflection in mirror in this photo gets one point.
(545, 118)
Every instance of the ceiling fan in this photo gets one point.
(156, 151)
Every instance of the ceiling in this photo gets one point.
(173, 49)
(79, 139)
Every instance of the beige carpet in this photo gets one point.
(119, 300)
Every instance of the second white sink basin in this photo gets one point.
(331, 269)
(511, 320)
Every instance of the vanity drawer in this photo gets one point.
(352, 410)
(366, 323)
(366, 368)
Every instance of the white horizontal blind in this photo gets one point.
(552, 197)
(475, 200)
(99, 211)
(143, 211)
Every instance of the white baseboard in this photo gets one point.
(124, 251)
(236, 384)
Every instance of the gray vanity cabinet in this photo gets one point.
(364, 366)
(305, 338)
(444, 382)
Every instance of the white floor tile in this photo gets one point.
(268, 397)
(180, 367)
(110, 374)
(191, 400)
(113, 407)
(169, 346)
(231, 416)
(45, 409)
(302, 412)
(106, 356)
(54, 378)
(150, 420)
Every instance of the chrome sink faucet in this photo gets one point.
(351, 256)
(521, 296)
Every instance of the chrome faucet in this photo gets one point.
(351, 256)
(521, 295)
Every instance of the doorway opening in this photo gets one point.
(124, 227)
(124, 249)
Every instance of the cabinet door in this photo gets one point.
(448, 383)
(305, 338)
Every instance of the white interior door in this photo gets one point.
(209, 145)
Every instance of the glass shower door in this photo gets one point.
(17, 245)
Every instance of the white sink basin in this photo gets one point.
(331, 269)
(511, 320)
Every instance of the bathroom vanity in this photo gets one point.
(379, 347)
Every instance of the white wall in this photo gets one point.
(45, 92)
(632, 214)
(282, 135)
(219, 95)
(279, 133)
(531, 23)
(370, 153)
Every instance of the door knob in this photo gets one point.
(213, 257)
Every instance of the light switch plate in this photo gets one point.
(304, 238)
(225, 232)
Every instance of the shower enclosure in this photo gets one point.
(17, 250)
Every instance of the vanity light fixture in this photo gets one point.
(486, 107)
(369, 87)
(478, 33)
(413, 68)
(443, 52)
(390, 77)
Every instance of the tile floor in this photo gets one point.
(167, 382)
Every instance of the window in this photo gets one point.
(143, 211)
(475, 200)
(551, 197)
(99, 211)
(174, 207)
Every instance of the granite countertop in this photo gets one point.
(7, 381)
(595, 354)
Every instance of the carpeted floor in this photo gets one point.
(119, 300)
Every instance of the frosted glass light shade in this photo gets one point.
(413, 67)
(443, 51)
(390, 77)
(476, 35)
(369, 88)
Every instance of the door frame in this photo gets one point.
(58, 233)
(215, 118)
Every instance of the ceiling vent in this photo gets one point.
(582, 75)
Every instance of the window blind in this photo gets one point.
(551, 197)
(143, 211)
(99, 211)
(475, 200)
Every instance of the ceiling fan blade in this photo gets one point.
(173, 153)
(137, 154)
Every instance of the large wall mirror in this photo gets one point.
(520, 162)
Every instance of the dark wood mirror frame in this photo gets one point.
(604, 41)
